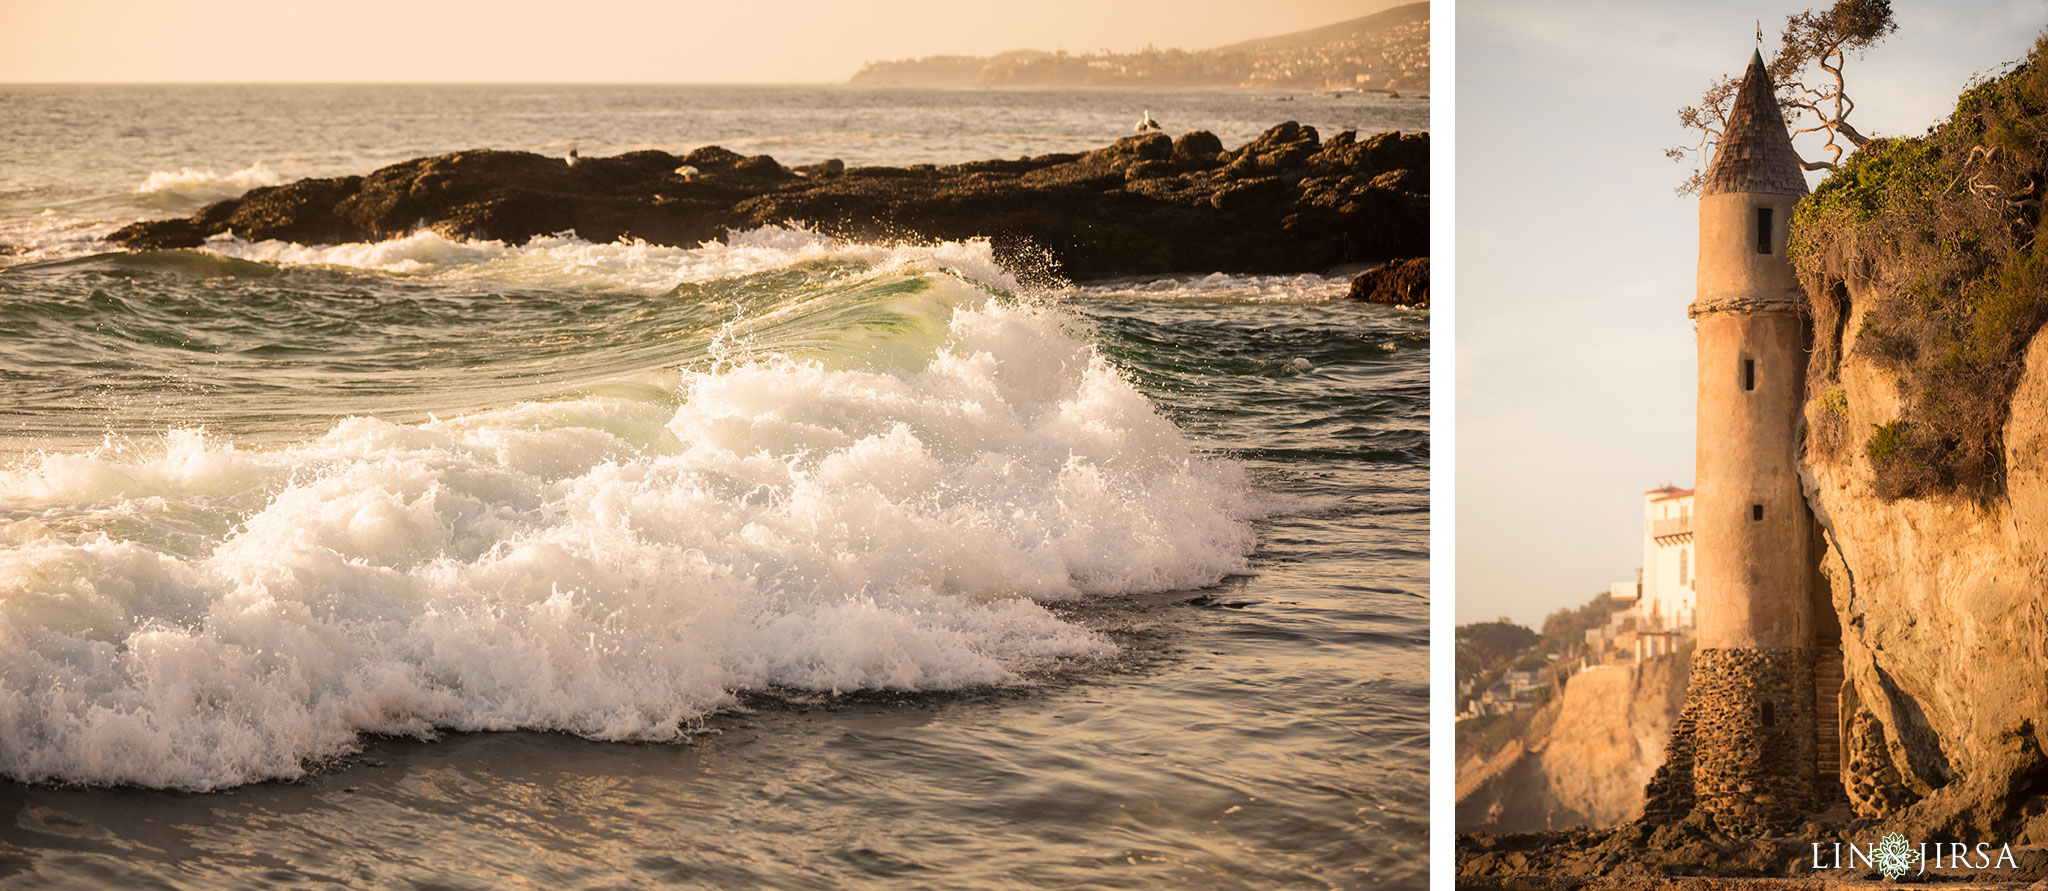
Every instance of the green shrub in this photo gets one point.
(1907, 462)
(1889, 440)
(1827, 424)
(1835, 402)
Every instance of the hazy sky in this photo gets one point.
(636, 41)
(1575, 261)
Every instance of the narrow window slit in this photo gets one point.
(1763, 230)
(1756, 511)
(1770, 715)
(1749, 374)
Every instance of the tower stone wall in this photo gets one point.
(1753, 729)
(1749, 516)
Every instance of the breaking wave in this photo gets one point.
(874, 475)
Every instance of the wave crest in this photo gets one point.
(567, 261)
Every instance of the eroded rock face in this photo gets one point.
(1285, 202)
(1944, 610)
(1588, 756)
(1610, 737)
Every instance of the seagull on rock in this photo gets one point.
(1147, 124)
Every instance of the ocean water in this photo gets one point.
(777, 561)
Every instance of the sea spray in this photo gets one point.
(849, 497)
(190, 188)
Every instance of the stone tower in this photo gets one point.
(1752, 693)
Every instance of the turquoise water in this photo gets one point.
(778, 561)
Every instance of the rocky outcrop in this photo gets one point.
(1402, 283)
(1692, 847)
(1285, 202)
(1586, 760)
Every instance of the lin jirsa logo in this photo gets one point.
(1894, 856)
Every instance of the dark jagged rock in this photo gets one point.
(1402, 283)
(1284, 202)
(1199, 148)
(1274, 151)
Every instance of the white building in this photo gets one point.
(1662, 596)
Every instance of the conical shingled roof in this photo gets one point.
(1755, 153)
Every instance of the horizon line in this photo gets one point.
(651, 83)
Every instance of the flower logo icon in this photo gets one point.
(1894, 856)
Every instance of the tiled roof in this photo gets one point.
(1755, 153)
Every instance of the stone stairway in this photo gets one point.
(1827, 694)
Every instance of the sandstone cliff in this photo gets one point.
(1926, 462)
(1585, 759)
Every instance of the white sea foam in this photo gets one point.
(51, 236)
(609, 566)
(565, 260)
(192, 186)
(1227, 287)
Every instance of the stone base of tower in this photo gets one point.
(1743, 748)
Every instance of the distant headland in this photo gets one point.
(1386, 51)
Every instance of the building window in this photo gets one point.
(1681, 566)
(1749, 374)
(1770, 715)
(1756, 511)
(1763, 230)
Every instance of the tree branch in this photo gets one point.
(1809, 73)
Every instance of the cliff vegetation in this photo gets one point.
(1946, 229)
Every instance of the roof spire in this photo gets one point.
(1755, 152)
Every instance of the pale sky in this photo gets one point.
(1575, 360)
(634, 41)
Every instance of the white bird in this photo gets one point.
(1147, 124)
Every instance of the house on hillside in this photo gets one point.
(1661, 601)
